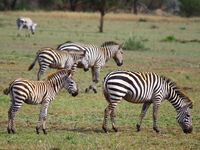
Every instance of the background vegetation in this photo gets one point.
(75, 123)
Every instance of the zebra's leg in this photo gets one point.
(27, 32)
(155, 112)
(41, 70)
(145, 107)
(107, 112)
(11, 117)
(42, 116)
(112, 116)
(19, 30)
(95, 79)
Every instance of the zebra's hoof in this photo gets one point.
(86, 90)
(95, 91)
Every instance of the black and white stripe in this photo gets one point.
(48, 57)
(97, 56)
(147, 88)
(27, 23)
(38, 92)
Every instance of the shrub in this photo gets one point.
(169, 38)
(133, 44)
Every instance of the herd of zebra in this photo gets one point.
(133, 86)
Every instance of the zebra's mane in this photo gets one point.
(63, 43)
(177, 89)
(109, 43)
(59, 72)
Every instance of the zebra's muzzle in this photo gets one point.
(75, 93)
(86, 69)
(119, 63)
(189, 130)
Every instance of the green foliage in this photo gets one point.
(142, 20)
(133, 44)
(190, 7)
(169, 38)
(182, 28)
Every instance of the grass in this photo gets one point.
(75, 122)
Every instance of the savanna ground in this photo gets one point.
(75, 122)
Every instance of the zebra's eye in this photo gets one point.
(187, 115)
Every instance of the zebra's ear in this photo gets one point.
(190, 105)
(121, 45)
(69, 72)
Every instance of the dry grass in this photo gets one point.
(108, 16)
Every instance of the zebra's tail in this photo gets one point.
(73, 68)
(33, 64)
(6, 91)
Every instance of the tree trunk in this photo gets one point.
(6, 4)
(13, 4)
(73, 4)
(101, 23)
(135, 7)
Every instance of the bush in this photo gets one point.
(133, 44)
(169, 38)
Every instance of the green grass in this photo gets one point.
(75, 122)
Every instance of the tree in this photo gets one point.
(102, 6)
(138, 5)
(73, 4)
(190, 7)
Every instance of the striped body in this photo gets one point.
(147, 88)
(38, 92)
(25, 23)
(97, 57)
(48, 57)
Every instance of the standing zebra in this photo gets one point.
(97, 56)
(38, 92)
(48, 57)
(25, 23)
(147, 88)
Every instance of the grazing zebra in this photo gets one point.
(25, 23)
(38, 92)
(48, 57)
(97, 56)
(147, 88)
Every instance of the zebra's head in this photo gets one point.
(71, 85)
(184, 118)
(118, 57)
(33, 28)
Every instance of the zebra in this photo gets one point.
(25, 23)
(147, 88)
(97, 56)
(38, 92)
(49, 57)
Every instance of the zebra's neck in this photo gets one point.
(57, 84)
(108, 53)
(177, 98)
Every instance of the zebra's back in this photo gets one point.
(133, 86)
(24, 89)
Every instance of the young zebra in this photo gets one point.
(48, 57)
(97, 56)
(147, 88)
(38, 92)
(25, 23)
